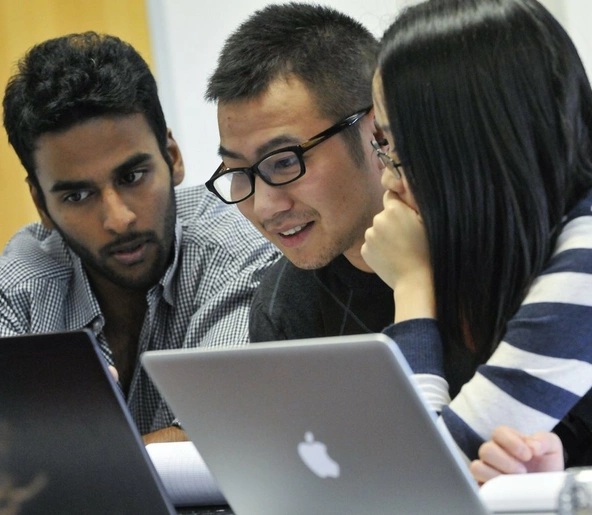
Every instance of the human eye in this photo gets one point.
(286, 162)
(280, 166)
(76, 197)
(133, 177)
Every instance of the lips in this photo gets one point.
(293, 231)
(129, 253)
(290, 228)
(126, 247)
(295, 236)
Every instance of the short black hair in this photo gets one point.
(70, 79)
(491, 112)
(330, 52)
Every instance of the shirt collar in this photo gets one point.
(83, 307)
(169, 286)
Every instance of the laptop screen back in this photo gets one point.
(328, 425)
(67, 442)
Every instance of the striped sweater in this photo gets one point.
(543, 365)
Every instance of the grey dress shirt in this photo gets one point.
(203, 299)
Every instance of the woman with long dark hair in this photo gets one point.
(486, 233)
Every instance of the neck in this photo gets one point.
(121, 307)
(354, 256)
(124, 311)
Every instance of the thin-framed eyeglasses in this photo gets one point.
(385, 159)
(282, 166)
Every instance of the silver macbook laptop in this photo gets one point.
(67, 441)
(320, 426)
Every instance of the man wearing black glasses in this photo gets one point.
(293, 87)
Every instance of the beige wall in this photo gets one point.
(26, 22)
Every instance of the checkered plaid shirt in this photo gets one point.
(203, 299)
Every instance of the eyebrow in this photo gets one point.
(130, 162)
(272, 144)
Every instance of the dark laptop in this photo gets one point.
(67, 441)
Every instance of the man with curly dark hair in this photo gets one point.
(118, 250)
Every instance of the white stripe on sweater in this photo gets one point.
(561, 287)
(570, 374)
(434, 390)
(484, 406)
(575, 235)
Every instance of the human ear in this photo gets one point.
(176, 158)
(37, 197)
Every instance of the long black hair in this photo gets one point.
(491, 112)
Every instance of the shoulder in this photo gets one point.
(284, 273)
(197, 201)
(285, 305)
(583, 208)
(218, 244)
(34, 253)
(208, 222)
(576, 233)
(285, 287)
(573, 248)
(558, 305)
(283, 278)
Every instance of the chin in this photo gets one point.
(311, 262)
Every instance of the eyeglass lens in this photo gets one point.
(279, 168)
(386, 160)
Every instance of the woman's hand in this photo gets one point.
(511, 452)
(396, 248)
(113, 372)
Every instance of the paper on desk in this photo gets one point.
(184, 474)
(523, 493)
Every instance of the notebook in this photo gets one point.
(537, 493)
(328, 426)
(67, 441)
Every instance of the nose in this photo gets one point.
(268, 200)
(117, 215)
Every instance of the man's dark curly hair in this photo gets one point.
(70, 79)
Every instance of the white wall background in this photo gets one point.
(575, 15)
(187, 36)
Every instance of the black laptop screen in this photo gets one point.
(67, 443)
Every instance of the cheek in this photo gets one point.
(81, 224)
(246, 208)
(151, 203)
(81, 229)
(70, 219)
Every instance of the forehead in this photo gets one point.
(286, 110)
(93, 146)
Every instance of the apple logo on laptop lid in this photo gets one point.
(316, 458)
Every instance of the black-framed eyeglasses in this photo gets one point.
(282, 166)
(385, 159)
